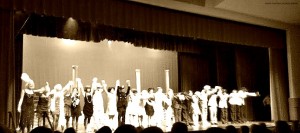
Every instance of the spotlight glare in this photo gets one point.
(109, 42)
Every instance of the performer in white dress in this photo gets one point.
(98, 105)
(111, 109)
(169, 115)
(134, 107)
(158, 107)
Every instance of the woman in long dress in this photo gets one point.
(26, 105)
(149, 106)
(168, 108)
(88, 104)
(43, 105)
(158, 107)
(98, 107)
(111, 109)
(57, 105)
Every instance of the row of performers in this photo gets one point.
(128, 106)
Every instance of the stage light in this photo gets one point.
(70, 28)
(109, 42)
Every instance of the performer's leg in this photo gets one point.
(233, 113)
(179, 115)
(140, 120)
(243, 114)
(122, 116)
(67, 121)
(55, 121)
(239, 115)
(215, 119)
(176, 115)
(89, 120)
(76, 122)
(119, 117)
(29, 128)
(185, 116)
(85, 121)
(225, 115)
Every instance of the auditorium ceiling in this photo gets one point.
(285, 11)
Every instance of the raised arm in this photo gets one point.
(104, 86)
(128, 87)
(116, 87)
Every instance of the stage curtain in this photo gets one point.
(7, 65)
(225, 67)
(146, 18)
(196, 70)
(279, 84)
(252, 72)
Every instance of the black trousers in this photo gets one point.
(242, 114)
(224, 115)
(121, 116)
(233, 113)
(185, 116)
(177, 114)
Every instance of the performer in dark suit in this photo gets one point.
(176, 105)
(122, 102)
(186, 108)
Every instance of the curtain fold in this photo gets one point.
(7, 65)
(146, 18)
(279, 84)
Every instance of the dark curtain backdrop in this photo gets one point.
(231, 67)
(196, 70)
(252, 72)
(7, 65)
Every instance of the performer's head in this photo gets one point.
(99, 87)
(190, 93)
(30, 84)
(224, 91)
(197, 93)
(111, 89)
(58, 87)
(159, 90)
(206, 87)
(144, 93)
(234, 91)
(244, 89)
(95, 79)
(150, 90)
(170, 92)
(134, 91)
(87, 88)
